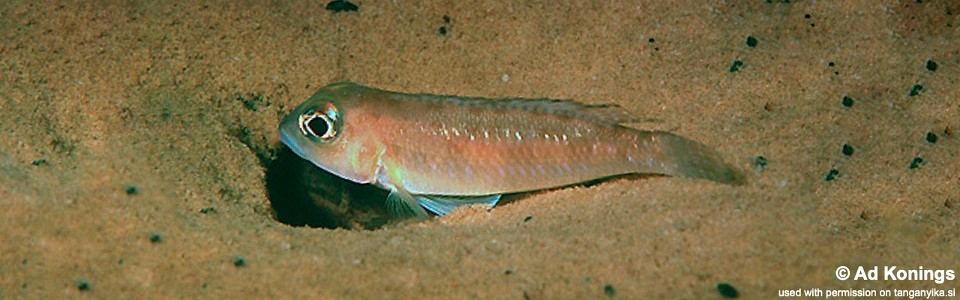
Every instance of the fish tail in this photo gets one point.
(687, 158)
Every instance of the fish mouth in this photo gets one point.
(287, 140)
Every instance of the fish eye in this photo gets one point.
(322, 125)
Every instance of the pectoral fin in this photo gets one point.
(442, 205)
(401, 203)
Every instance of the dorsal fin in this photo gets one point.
(606, 114)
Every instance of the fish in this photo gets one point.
(436, 153)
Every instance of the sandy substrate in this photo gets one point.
(139, 156)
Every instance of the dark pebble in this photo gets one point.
(806, 16)
(651, 40)
(609, 291)
(155, 237)
(528, 218)
(760, 162)
(443, 30)
(915, 90)
(251, 102)
(508, 272)
(847, 150)
(131, 189)
(831, 64)
(832, 174)
(751, 41)
(341, 6)
(83, 285)
(736, 66)
(847, 101)
(931, 65)
(916, 163)
(727, 291)
(239, 262)
(931, 137)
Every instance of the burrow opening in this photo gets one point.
(302, 194)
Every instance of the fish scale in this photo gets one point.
(516, 151)
(444, 151)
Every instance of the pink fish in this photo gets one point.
(441, 152)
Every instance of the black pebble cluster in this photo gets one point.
(930, 137)
(443, 29)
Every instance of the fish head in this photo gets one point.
(323, 131)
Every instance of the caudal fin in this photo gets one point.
(692, 159)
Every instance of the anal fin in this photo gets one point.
(442, 205)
